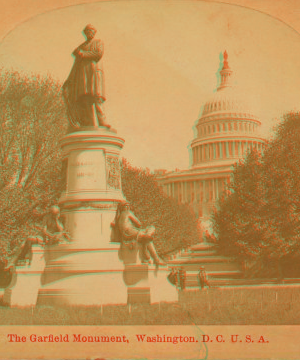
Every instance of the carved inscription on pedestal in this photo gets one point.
(113, 172)
(86, 170)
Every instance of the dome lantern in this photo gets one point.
(225, 73)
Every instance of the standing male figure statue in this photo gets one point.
(83, 91)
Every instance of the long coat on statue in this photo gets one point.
(86, 76)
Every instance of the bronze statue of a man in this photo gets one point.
(53, 229)
(83, 91)
(129, 232)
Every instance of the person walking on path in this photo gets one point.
(202, 278)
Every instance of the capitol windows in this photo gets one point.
(235, 126)
(210, 189)
(218, 127)
(210, 152)
(236, 148)
(230, 148)
(224, 150)
(224, 127)
(200, 212)
(217, 151)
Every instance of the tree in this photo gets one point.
(281, 180)
(32, 120)
(257, 220)
(236, 220)
(176, 224)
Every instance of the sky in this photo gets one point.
(160, 63)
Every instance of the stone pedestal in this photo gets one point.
(149, 284)
(26, 281)
(87, 271)
(161, 289)
(91, 270)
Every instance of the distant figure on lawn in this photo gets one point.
(181, 276)
(128, 231)
(172, 277)
(202, 278)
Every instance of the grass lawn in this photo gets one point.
(221, 306)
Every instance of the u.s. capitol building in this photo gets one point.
(225, 131)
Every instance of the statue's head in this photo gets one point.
(89, 31)
(55, 210)
(125, 206)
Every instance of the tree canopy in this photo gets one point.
(176, 224)
(32, 120)
(257, 219)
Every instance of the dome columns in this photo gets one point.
(222, 150)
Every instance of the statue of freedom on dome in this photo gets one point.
(83, 91)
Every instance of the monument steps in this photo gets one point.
(199, 254)
(220, 270)
(202, 258)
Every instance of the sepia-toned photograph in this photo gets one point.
(150, 179)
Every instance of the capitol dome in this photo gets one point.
(227, 97)
(226, 100)
(226, 128)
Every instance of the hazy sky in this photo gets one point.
(160, 63)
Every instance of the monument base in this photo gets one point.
(68, 282)
(83, 276)
(26, 281)
(148, 284)
(95, 289)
